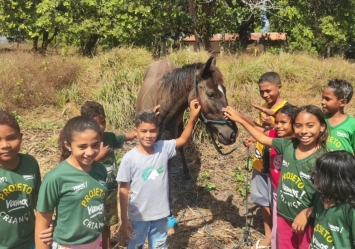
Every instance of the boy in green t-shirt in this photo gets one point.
(20, 180)
(106, 157)
(336, 95)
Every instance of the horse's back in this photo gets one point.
(147, 95)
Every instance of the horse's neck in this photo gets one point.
(174, 111)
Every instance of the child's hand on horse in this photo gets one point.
(230, 113)
(195, 108)
(156, 109)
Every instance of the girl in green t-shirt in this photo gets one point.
(334, 207)
(75, 189)
(296, 192)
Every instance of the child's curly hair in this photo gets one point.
(334, 177)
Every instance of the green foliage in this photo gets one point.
(240, 178)
(209, 187)
(121, 73)
(16, 116)
(118, 156)
(70, 94)
(203, 175)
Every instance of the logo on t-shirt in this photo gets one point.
(342, 134)
(103, 183)
(13, 205)
(284, 163)
(278, 162)
(29, 177)
(257, 153)
(3, 179)
(151, 173)
(95, 210)
(80, 186)
(335, 228)
(305, 176)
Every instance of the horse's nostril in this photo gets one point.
(233, 136)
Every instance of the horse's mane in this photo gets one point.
(181, 79)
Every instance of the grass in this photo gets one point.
(113, 79)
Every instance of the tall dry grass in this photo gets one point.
(114, 78)
(28, 80)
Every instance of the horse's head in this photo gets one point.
(211, 94)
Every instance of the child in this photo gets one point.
(106, 157)
(335, 97)
(296, 191)
(143, 171)
(334, 181)
(284, 119)
(20, 180)
(75, 189)
(269, 87)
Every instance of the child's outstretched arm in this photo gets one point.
(231, 114)
(43, 221)
(126, 226)
(130, 135)
(194, 111)
(104, 151)
(300, 222)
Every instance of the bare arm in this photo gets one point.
(258, 135)
(300, 222)
(43, 221)
(127, 228)
(130, 135)
(104, 150)
(194, 111)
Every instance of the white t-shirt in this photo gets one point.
(149, 181)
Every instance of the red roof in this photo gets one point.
(273, 36)
(215, 37)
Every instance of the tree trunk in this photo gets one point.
(89, 45)
(45, 41)
(35, 43)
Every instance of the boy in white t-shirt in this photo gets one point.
(144, 172)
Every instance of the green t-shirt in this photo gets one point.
(342, 136)
(114, 141)
(334, 227)
(78, 198)
(18, 195)
(296, 191)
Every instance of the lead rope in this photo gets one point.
(247, 238)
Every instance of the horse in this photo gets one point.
(173, 88)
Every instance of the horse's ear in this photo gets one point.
(210, 61)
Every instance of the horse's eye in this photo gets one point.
(210, 95)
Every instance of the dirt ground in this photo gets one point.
(223, 208)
